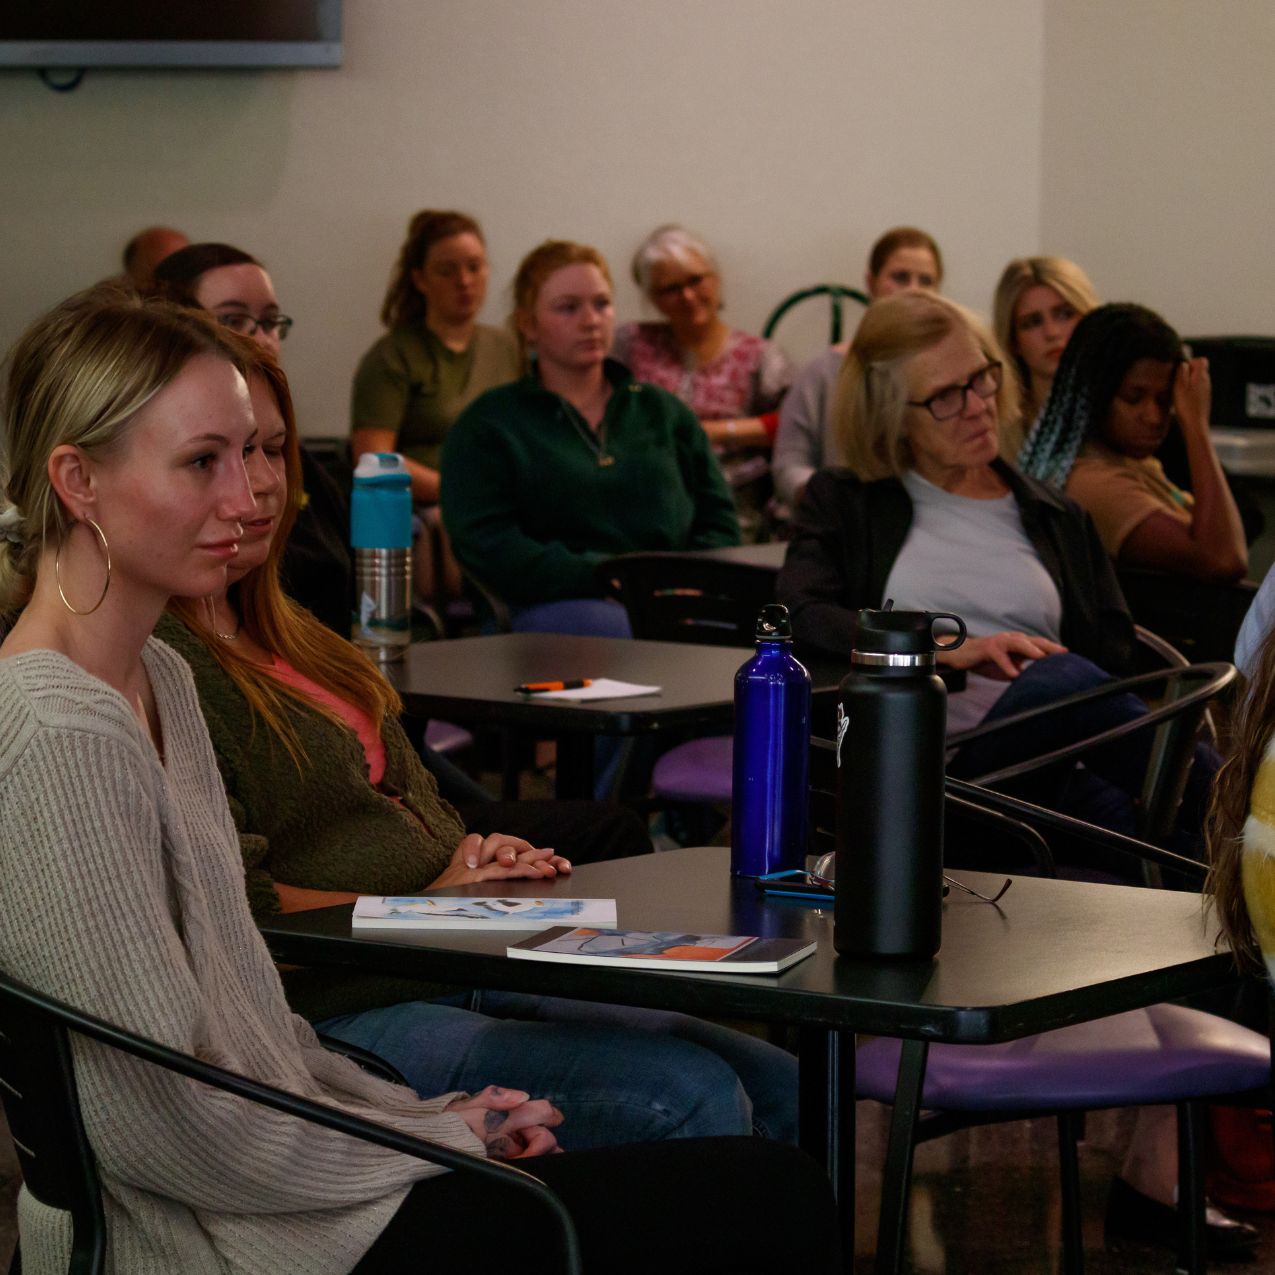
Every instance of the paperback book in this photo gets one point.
(467, 912)
(663, 950)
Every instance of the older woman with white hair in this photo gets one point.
(733, 381)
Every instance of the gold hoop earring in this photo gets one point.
(57, 570)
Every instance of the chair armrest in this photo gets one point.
(1216, 679)
(70, 1019)
(490, 601)
(365, 1058)
(1038, 816)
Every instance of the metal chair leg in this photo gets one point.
(896, 1184)
(1070, 1124)
(1192, 1247)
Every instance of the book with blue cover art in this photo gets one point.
(468, 912)
(664, 950)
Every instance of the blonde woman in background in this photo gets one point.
(1038, 301)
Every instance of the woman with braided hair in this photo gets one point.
(1123, 381)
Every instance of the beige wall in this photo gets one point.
(788, 133)
(1159, 132)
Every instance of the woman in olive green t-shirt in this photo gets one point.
(435, 358)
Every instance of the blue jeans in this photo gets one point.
(618, 1074)
(584, 617)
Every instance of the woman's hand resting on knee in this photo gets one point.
(1000, 655)
(511, 1124)
(496, 858)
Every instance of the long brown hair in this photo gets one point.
(280, 625)
(1252, 728)
(404, 305)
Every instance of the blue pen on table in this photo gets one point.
(539, 688)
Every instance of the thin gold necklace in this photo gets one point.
(596, 443)
(212, 623)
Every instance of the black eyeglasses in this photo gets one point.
(950, 403)
(246, 325)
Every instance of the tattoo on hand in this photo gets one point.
(501, 1148)
(494, 1119)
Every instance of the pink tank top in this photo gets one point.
(357, 720)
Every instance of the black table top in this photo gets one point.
(471, 680)
(769, 555)
(1049, 954)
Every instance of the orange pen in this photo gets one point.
(534, 688)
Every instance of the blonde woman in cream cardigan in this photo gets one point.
(132, 468)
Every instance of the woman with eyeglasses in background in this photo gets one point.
(732, 380)
(233, 286)
(929, 513)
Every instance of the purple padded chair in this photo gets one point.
(1163, 1054)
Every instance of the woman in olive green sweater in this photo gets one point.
(544, 479)
(330, 801)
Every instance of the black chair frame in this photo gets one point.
(681, 597)
(1176, 722)
(37, 1085)
(837, 293)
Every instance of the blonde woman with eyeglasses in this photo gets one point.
(930, 513)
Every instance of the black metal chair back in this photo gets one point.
(37, 1082)
(837, 294)
(998, 839)
(1201, 618)
(681, 597)
(37, 1086)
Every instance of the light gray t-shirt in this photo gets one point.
(972, 557)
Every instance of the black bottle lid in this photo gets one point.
(774, 624)
(890, 632)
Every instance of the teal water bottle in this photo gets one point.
(381, 536)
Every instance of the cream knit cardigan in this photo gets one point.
(122, 893)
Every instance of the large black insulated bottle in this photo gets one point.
(891, 722)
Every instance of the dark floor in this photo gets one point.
(983, 1201)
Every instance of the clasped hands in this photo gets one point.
(511, 1124)
(499, 857)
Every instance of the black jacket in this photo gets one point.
(847, 535)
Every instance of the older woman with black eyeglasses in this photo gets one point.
(930, 514)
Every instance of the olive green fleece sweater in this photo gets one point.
(322, 825)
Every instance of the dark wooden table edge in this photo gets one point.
(734, 996)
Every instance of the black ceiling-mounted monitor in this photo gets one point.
(50, 34)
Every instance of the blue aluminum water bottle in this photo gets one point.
(381, 536)
(769, 795)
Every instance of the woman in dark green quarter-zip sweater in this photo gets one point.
(545, 478)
